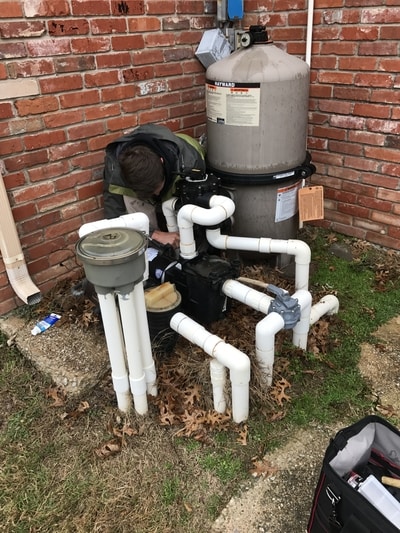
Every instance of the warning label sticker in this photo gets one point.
(233, 104)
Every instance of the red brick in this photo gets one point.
(16, 179)
(288, 34)
(3, 71)
(379, 48)
(101, 78)
(80, 99)
(383, 154)
(358, 63)
(190, 6)
(164, 100)
(345, 148)
(336, 106)
(351, 93)
(374, 204)
(21, 29)
(59, 84)
(84, 131)
(111, 60)
(138, 74)
(24, 212)
(348, 122)
(128, 7)
(90, 45)
(156, 40)
(49, 171)
(76, 209)
(50, 201)
(390, 32)
(73, 179)
(108, 26)
(48, 47)
(55, 120)
(37, 105)
(115, 94)
(380, 15)
(26, 160)
(33, 194)
(37, 251)
(6, 110)
(328, 132)
(11, 146)
(373, 80)
(386, 96)
(361, 163)
(366, 137)
(144, 24)
(371, 110)
(55, 8)
(153, 115)
(11, 9)
(119, 123)
(390, 65)
(99, 143)
(30, 68)
(133, 105)
(20, 126)
(155, 7)
(384, 126)
(44, 139)
(67, 150)
(176, 24)
(341, 78)
(90, 190)
(61, 27)
(362, 33)
(128, 42)
(74, 64)
(11, 50)
(339, 48)
(89, 160)
(90, 7)
(103, 111)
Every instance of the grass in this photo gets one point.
(51, 478)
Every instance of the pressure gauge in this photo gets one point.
(246, 39)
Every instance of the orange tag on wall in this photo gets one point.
(311, 203)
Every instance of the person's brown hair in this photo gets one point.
(142, 170)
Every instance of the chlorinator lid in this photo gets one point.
(111, 246)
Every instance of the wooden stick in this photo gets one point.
(391, 481)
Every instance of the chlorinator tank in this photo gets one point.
(257, 116)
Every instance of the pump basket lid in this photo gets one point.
(111, 246)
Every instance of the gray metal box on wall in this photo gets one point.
(213, 47)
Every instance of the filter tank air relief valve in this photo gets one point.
(285, 305)
(255, 35)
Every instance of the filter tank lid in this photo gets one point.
(111, 246)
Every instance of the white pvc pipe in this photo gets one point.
(328, 305)
(246, 295)
(136, 221)
(144, 339)
(226, 354)
(218, 381)
(266, 330)
(310, 17)
(137, 378)
(301, 329)
(299, 249)
(116, 351)
(221, 208)
(169, 212)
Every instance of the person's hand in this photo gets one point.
(166, 237)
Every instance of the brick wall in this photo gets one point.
(76, 73)
(73, 76)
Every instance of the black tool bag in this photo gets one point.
(370, 447)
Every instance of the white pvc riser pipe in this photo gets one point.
(137, 377)
(169, 212)
(136, 221)
(226, 354)
(218, 381)
(221, 208)
(266, 330)
(328, 305)
(116, 350)
(144, 339)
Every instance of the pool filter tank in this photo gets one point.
(257, 116)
